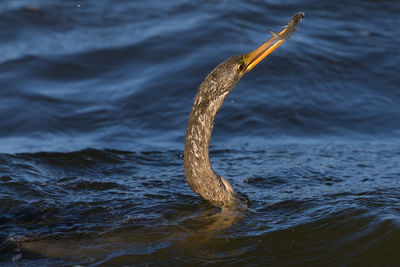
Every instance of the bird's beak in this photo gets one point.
(261, 52)
(255, 57)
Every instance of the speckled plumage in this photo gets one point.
(208, 100)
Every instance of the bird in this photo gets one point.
(211, 94)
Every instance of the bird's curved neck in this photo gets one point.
(199, 173)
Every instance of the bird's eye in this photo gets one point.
(240, 67)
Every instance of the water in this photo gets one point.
(93, 106)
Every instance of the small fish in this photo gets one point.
(253, 58)
(289, 29)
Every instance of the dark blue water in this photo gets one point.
(94, 100)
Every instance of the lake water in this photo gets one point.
(94, 101)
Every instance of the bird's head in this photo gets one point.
(228, 73)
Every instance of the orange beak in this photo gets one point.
(261, 52)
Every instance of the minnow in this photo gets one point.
(276, 40)
(290, 28)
